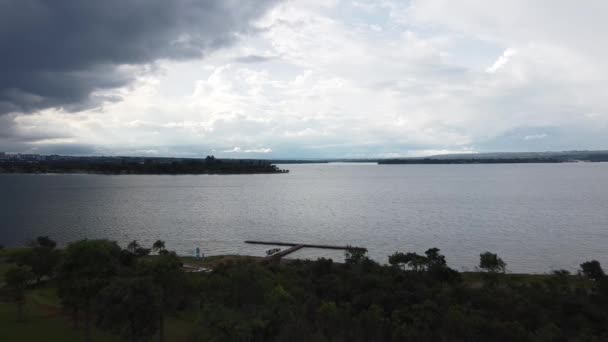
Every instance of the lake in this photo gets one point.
(537, 217)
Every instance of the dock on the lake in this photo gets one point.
(294, 247)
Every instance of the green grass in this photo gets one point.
(42, 321)
(215, 260)
(514, 277)
(3, 268)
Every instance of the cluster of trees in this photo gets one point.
(209, 165)
(121, 290)
(413, 298)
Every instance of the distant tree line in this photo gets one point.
(471, 161)
(506, 158)
(209, 165)
(416, 297)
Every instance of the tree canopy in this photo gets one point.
(418, 297)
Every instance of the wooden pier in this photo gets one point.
(286, 251)
(294, 247)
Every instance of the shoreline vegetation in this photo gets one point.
(95, 290)
(138, 166)
(56, 164)
(506, 158)
(473, 161)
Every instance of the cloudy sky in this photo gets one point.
(302, 78)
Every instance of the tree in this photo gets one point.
(491, 263)
(127, 259)
(166, 273)
(433, 263)
(159, 247)
(88, 267)
(412, 260)
(355, 255)
(593, 270)
(129, 307)
(434, 258)
(42, 258)
(17, 278)
(135, 248)
(43, 241)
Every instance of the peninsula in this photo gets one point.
(20, 163)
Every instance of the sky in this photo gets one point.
(302, 78)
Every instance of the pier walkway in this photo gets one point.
(294, 247)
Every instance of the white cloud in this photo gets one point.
(390, 78)
(501, 61)
(535, 136)
(253, 150)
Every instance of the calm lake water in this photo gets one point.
(538, 217)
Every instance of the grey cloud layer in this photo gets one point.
(56, 53)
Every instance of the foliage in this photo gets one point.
(17, 278)
(136, 249)
(324, 301)
(43, 241)
(431, 261)
(164, 271)
(416, 298)
(159, 247)
(355, 255)
(414, 261)
(42, 257)
(490, 262)
(123, 165)
(88, 267)
(593, 270)
(129, 307)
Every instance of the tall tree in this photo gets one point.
(17, 279)
(88, 267)
(165, 272)
(491, 263)
(159, 246)
(135, 248)
(129, 307)
(593, 270)
(43, 241)
(42, 257)
(355, 255)
(412, 260)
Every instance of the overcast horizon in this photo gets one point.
(306, 79)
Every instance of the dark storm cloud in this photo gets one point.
(55, 53)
